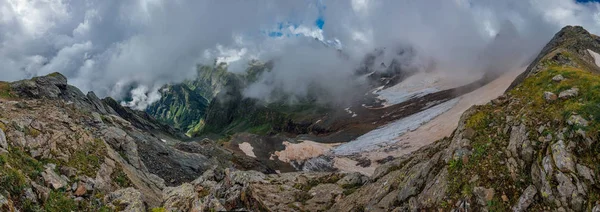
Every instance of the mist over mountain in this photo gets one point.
(133, 48)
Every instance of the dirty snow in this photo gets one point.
(596, 57)
(247, 149)
(421, 84)
(433, 130)
(302, 151)
(389, 133)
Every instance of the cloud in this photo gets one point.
(113, 47)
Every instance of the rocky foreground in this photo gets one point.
(533, 148)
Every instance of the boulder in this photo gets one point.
(549, 96)
(562, 157)
(558, 78)
(178, 198)
(526, 199)
(53, 180)
(3, 141)
(483, 195)
(570, 93)
(353, 179)
(128, 199)
(586, 173)
(577, 120)
(81, 190)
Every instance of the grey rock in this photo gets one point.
(30, 195)
(558, 78)
(570, 93)
(517, 136)
(95, 101)
(178, 198)
(414, 181)
(577, 120)
(3, 141)
(549, 96)
(566, 189)
(483, 195)
(50, 86)
(42, 191)
(541, 129)
(68, 171)
(527, 151)
(562, 157)
(586, 173)
(353, 179)
(52, 179)
(245, 177)
(525, 199)
(128, 197)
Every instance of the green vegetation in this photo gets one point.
(5, 91)
(528, 106)
(88, 158)
(58, 202)
(120, 178)
(158, 210)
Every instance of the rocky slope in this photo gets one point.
(61, 150)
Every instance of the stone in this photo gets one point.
(562, 157)
(129, 198)
(586, 173)
(469, 133)
(41, 191)
(549, 96)
(558, 78)
(483, 195)
(178, 198)
(52, 179)
(3, 141)
(68, 171)
(30, 195)
(566, 189)
(517, 136)
(353, 179)
(577, 120)
(570, 93)
(322, 193)
(525, 199)
(541, 129)
(81, 190)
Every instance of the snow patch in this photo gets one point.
(596, 57)
(350, 112)
(394, 97)
(247, 149)
(388, 134)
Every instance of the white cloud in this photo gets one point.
(110, 45)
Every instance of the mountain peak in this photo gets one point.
(570, 40)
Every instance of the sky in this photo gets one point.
(132, 48)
